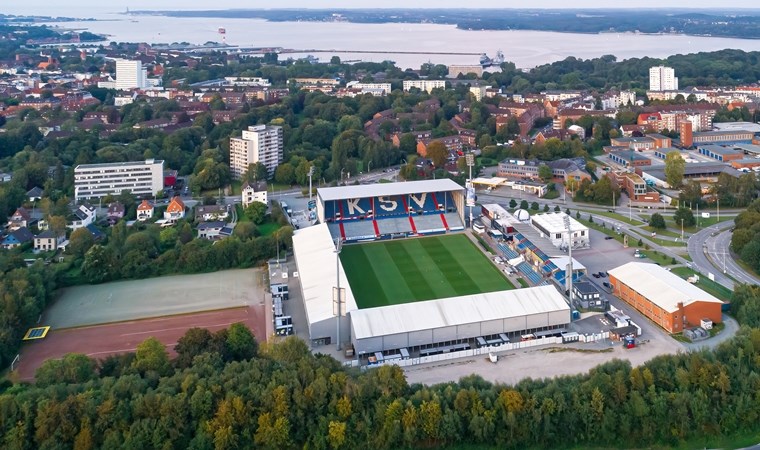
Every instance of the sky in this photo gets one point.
(77, 6)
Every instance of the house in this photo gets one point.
(144, 211)
(115, 212)
(83, 216)
(254, 192)
(34, 194)
(5, 177)
(211, 230)
(17, 237)
(207, 213)
(175, 210)
(95, 232)
(588, 296)
(20, 219)
(48, 241)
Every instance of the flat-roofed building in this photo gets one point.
(715, 137)
(141, 178)
(552, 226)
(259, 143)
(662, 296)
(630, 158)
(723, 154)
(424, 85)
(634, 186)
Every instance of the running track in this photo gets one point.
(101, 341)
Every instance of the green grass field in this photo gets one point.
(412, 270)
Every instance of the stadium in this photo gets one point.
(412, 281)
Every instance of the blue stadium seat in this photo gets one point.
(390, 206)
(529, 273)
(354, 209)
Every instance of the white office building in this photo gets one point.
(141, 178)
(130, 74)
(662, 78)
(381, 88)
(424, 85)
(259, 143)
(552, 226)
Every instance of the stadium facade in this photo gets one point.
(355, 214)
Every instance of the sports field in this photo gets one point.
(154, 297)
(412, 270)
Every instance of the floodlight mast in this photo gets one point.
(569, 279)
(338, 246)
(470, 159)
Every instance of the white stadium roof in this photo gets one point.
(387, 189)
(316, 265)
(662, 287)
(432, 314)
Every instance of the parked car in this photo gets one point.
(603, 274)
(595, 275)
(607, 285)
(607, 238)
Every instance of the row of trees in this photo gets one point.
(223, 393)
(745, 240)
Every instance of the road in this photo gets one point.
(698, 251)
(709, 249)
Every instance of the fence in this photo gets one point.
(463, 353)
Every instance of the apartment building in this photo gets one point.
(376, 89)
(141, 178)
(634, 186)
(662, 78)
(424, 85)
(130, 74)
(259, 143)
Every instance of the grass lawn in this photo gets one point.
(412, 270)
(611, 215)
(522, 282)
(716, 289)
(607, 231)
(663, 260)
(267, 228)
(660, 232)
(241, 217)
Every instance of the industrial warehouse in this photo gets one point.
(665, 298)
(421, 325)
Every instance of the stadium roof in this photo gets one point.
(432, 314)
(387, 189)
(315, 255)
(662, 287)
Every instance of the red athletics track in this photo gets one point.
(100, 341)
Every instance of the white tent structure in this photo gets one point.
(417, 324)
(314, 251)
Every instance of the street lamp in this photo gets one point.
(341, 174)
(682, 229)
(470, 159)
(369, 167)
(569, 267)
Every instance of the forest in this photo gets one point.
(745, 240)
(225, 391)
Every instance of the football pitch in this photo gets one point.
(413, 270)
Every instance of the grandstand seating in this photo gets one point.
(425, 213)
(529, 273)
(508, 252)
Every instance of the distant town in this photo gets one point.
(303, 251)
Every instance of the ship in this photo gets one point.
(222, 30)
(487, 61)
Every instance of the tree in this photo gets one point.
(285, 174)
(657, 221)
(524, 204)
(98, 264)
(80, 241)
(545, 172)
(438, 153)
(255, 172)
(546, 208)
(256, 211)
(245, 231)
(241, 343)
(57, 224)
(194, 342)
(534, 206)
(686, 215)
(151, 355)
(674, 168)
(513, 204)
